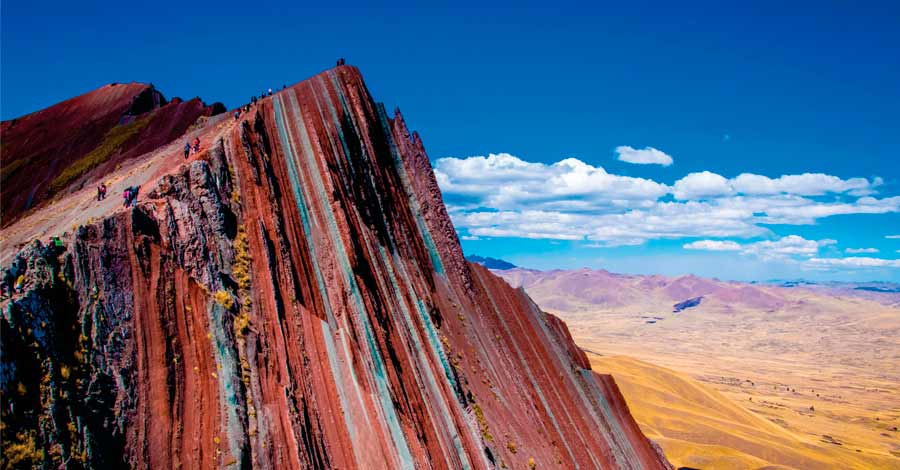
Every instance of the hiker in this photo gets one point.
(101, 192)
(187, 150)
(270, 92)
(20, 283)
(196, 145)
(131, 196)
(340, 61)
(237, 114)
(283, 86)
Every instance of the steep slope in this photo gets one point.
(700, 428)
(46, 152)
(295, 297)
(823, 366)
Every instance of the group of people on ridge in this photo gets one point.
(130, 193)
(188, 147)
(254, 100)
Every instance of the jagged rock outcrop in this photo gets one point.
(295, 297)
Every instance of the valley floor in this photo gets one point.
(817, 389)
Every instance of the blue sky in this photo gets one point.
(764, 89)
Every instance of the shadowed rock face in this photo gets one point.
(297, 298)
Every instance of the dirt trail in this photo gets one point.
(61, 216)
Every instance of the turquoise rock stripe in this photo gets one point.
(329, 325)
(534, 384)
(379, 373)
(227, 376)
(435, 348)
(424, 231)
(622, 454)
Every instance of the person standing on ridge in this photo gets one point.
(101, 191)
(130, 196)
(187, 150)
(270, 92)
(196, 145)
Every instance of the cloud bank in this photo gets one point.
(501, 195)
(861, 250)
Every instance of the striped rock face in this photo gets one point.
(296, 297)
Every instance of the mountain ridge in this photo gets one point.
(293, 296)
(613, 289)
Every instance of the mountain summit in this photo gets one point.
(293, 295)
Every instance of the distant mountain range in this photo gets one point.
(884, 292)
(491, 263)
(586, 289)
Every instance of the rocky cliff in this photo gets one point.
(294, 296)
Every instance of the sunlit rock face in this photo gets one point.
(295, 296)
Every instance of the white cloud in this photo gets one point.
(502, 181)
(501, 195)
(713, 245)
(702, 185)
(892, 236)
(807, 184)
(854, 262)
(632, 227)
(791, 246)
(795, 210)
(861, 250)
(786, 247)
(645, 156)
(706, 184)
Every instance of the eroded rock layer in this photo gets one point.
(296, 298)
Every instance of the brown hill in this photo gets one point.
(699, 427)
(47, 152)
